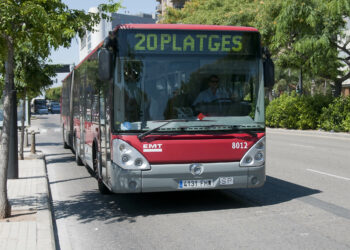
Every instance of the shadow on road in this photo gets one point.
(63, 159)
(45, 144)
(274, 191)
(91, 205)
(59, 154)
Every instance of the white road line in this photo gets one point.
(57, 129)
(301, 146)
(43, 131)
(332, 175)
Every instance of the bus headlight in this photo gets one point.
(255, 156)
(259, 156)
(127, 157)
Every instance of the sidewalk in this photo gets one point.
(309, 132)
(30, 225)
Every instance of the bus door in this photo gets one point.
(82, 119)
(104, 135)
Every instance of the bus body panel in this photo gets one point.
(89, 135)
(169, 177)
(162, 149)
(76, 125)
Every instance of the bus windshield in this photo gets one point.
(155, 85)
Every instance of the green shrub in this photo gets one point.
(296, 112)
(281, 112)
(310, 109)
(337, 115)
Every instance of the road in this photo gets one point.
(304, 203)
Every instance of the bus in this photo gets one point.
(141, 110)
(38, 106)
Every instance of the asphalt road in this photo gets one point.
(303, 205)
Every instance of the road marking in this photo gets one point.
(301, 146)
(57, 129)
(43, 131)
(332, 175)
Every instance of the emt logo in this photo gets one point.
(152, 148)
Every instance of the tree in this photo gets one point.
(308, 37)
(259, 14)
(54, 94)
(39, 25)
(304, 35)
(32, 75)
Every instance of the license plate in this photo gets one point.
(226, 180)
(195, 184)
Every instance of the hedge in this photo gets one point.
(309, 112)
(336, 116)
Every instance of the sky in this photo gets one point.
(71, 55)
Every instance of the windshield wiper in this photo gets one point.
(141, 136)
(235, 128)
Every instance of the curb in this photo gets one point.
(45, 223)
(309, 132)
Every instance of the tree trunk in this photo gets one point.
(12, 169)
(269, 93)
(21, 157)
(300, 83)
(5, 207)
(337, 87)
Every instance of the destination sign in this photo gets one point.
(188, 42)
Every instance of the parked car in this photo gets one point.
(55, 108)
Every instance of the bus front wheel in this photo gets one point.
(101, 186)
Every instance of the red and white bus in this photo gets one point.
(160, 107)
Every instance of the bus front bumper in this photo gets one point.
(179, 177)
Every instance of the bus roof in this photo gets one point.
(170, 27)
(185, 27)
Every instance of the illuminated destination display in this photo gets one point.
(188, 42)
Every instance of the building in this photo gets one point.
(346, 84)
(92, 39)
(163, 4)
(345, 89)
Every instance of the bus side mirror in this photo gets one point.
(269, 69)
(104, 64)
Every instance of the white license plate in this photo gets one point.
(226, 180)
(195, 184)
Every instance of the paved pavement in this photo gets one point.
(30, 225)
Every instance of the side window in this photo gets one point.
(102, 109)
(95, 108)
(92, 71)
(81, 96)
(88, 97)
(76, 103)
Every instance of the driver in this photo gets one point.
(212, 93)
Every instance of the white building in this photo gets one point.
(163, 4)
(92, 39)
(346, 84)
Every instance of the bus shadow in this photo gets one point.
(92, 206)
(63, 159)
(45, 144)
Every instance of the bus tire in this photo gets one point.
(65, 145)
(77, 157)
(101, 186)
